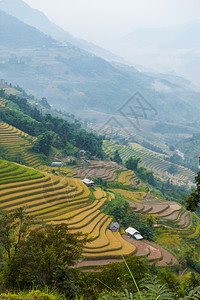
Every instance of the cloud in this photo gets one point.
(158, 86)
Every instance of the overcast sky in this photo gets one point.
(102, 20)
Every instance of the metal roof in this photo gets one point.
(138, 236)
(131, 230)
(87, 181)
(114, 224)
(135, 233)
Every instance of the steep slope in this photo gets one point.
(172, 49)
(152, 161)
(22, 34)
(37, 19)
(77, 81)
(15, 144)
(60, 199)
(165, 36)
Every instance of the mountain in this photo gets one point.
(37, 19)
(172, 49)
(17, 35)
(180, 36)
(77, 81)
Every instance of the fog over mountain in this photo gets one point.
(37, 19)
(168, 48)
(75, 80)
(173, 49)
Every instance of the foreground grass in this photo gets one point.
(33, 295)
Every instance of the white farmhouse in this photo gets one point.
(133, 233)
(56, 164)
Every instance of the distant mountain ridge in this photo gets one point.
(173, 50)
(79, 82)
(37, 19)
(180, 36)
(28, 37)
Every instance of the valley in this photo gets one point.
(99, 167)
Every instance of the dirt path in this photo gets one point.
(168, 258)
(100, 262)
(144, 247)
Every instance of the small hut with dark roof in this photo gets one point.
(114, 226)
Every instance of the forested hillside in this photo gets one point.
(99, 158)
(50, 131)
(85, 81)
(73, 236)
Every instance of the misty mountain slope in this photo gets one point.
(180, 36)
(187, 39)
(76, 81)
(37, 19)
(17, 34)
(174, 49)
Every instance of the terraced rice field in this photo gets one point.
(134, 196)
(10, 90)
(167, 213)
(61, 171)
(128, 178)
(61, 199)
(16, 143)
(98, 169)
(151, 161)
(3, 104)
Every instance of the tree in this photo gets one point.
(176, 159)
(117, 276)
(171, 148)
(172, 169)
(37, 257)
(146, 231)
(143, 173)
(192, 202)
(2, 93)
(132, 163)
(43, 144)
(131, 219)
(151, 180)
(45, 103)
(117, 157)
(101, 182)
(13, 228)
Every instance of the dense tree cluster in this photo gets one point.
(132, 163)
(64, 135)
(122, 212)
(192, 202)
(117, 157)
(167, 189)
(39, 257)
(141, 172)
(172, 169)
(152, 147)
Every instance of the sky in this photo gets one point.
(100, 21)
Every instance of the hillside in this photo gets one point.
(37, 19)
(71, 78)
(15, 143)
(34, 37)
(152, 161)
(68, 138)
(57, 195)
(179, 43)
(190, 146)
(104, 207)
(44, 194)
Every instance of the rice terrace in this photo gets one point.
(64, 198)
(99, 150)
